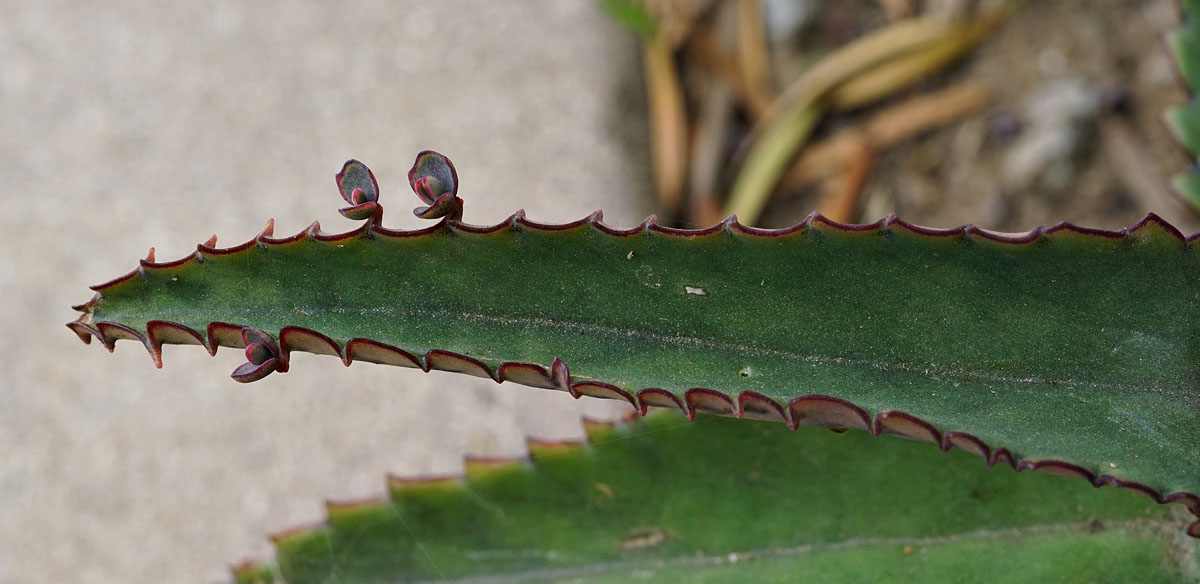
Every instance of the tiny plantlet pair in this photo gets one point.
(432, 178)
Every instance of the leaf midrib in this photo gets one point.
(907, 368)
(1158, 528)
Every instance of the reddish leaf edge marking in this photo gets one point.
(474, 467)
(810, 410)
(730, 226)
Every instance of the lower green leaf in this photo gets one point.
(721, 500)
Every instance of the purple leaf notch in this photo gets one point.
(435, 181)
(358, 186)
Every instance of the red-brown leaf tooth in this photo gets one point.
(906, 426)
(700, 400)
(757, 406)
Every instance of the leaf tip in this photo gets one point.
(81, 330)
(250, 572)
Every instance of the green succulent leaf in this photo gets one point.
(1185, 45)
(631, 15)
(1067, 350)
(1184, 121)
(718, 500)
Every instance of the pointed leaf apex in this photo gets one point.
(248, 572)
(86, 306)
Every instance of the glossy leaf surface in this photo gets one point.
(718, 500)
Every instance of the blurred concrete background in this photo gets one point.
(137, 123)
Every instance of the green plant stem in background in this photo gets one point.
(668, 122)
(886, 79)
(881, 59)
(768, 159)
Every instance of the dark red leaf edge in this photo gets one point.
(813, 410)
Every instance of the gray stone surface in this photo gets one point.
(134, 123)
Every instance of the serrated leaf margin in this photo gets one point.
(811, 409)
